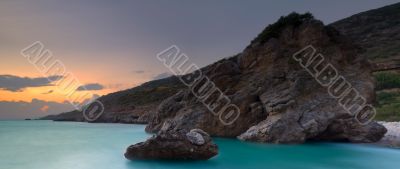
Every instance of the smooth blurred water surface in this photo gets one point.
(70, 145)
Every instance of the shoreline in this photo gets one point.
(390, 140)
(392, 136)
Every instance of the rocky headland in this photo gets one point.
(279, 99)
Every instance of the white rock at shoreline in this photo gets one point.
(392, 137)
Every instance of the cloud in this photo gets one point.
(48, 92)
(17, 84)
(162, 75)
(34, 109)
(44, 108)
(90, 86)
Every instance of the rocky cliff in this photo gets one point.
(279, 100)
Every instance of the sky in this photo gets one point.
(112, 45)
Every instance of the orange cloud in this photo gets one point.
(44, 108)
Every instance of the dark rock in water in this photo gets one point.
(279, 100)
(174, 145)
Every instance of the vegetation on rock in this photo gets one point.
(388, 106)
(387, 80)
(275, 29)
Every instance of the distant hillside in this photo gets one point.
(129, 106)
(377, 31)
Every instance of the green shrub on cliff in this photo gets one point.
(388, 106)
(387, 80)
(274, 30)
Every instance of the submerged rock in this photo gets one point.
(174, 145)
(279, 100)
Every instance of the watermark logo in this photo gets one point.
(93, 111)
(199, 84)
(48, 66)
(338, 87)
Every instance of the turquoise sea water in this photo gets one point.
(68, 145)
